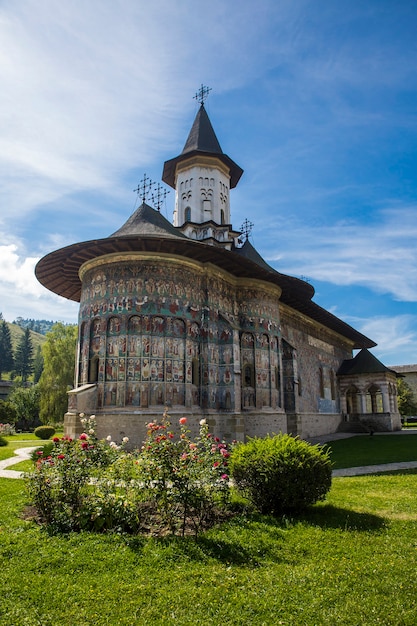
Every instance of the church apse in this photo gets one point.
(157, 333)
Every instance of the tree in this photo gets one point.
(25, 400)
(58, 371)
(24, 356)
(6, 350)
(37, 365)
(407, 404)
(8, 413)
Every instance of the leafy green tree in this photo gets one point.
(407, 404)
(25, 400)
(24, 356)
(58, 371)
(37, 365)
(6, 350)
(8, 413)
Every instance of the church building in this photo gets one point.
(188, 315)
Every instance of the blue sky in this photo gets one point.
(315, 100)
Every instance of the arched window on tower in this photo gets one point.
(222, 221)
(187, 214)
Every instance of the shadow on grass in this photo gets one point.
(253, 539)
(330, 516)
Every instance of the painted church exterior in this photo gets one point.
(185, 315)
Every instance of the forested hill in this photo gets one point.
(38, 326)
(17, 332)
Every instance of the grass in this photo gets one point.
(22, 440)
(348, 561)
(366, 450)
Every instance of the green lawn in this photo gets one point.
(349, 561)
(25, 440)
(366, 450)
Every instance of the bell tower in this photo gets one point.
(202, 176)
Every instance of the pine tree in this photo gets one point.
(6, 350)
(24, 356)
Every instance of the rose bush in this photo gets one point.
(174, 482)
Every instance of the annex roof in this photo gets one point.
(363, 363)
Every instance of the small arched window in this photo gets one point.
(195, 372)
(248, 376)
(321, 382)
(93, 370)
(222, 217)
(333, 385)
(187, 214)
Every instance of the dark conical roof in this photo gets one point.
(202, 136)
(363, 363)
(202, 141)
(147, 221)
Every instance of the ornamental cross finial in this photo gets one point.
(246, 228)
(159, 196)
(202, 94)
(144, 188)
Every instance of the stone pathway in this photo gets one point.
(21, 454)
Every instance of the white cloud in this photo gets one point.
(396, 337)
(22, 295)
(381, 255)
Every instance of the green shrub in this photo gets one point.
(281, 473)
(3, 442)
(44, 432)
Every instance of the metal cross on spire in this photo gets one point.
(246, 228)
(159, 196)
(144, 188)
(202, 94)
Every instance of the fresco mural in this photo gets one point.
(152, 335)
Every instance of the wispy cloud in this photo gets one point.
(394, 335)
(381, 255)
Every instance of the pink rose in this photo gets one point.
(183, 420)
(83, 437)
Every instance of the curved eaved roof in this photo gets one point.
(148, 231)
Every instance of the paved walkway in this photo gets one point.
(22, 454)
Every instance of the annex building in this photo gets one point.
(190, 316)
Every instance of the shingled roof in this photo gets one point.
(146, 221)
(363, 363)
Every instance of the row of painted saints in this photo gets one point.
(147, 291)
(162, 360)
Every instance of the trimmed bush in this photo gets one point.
(3, 442)
(44, 432)
(281, 473)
